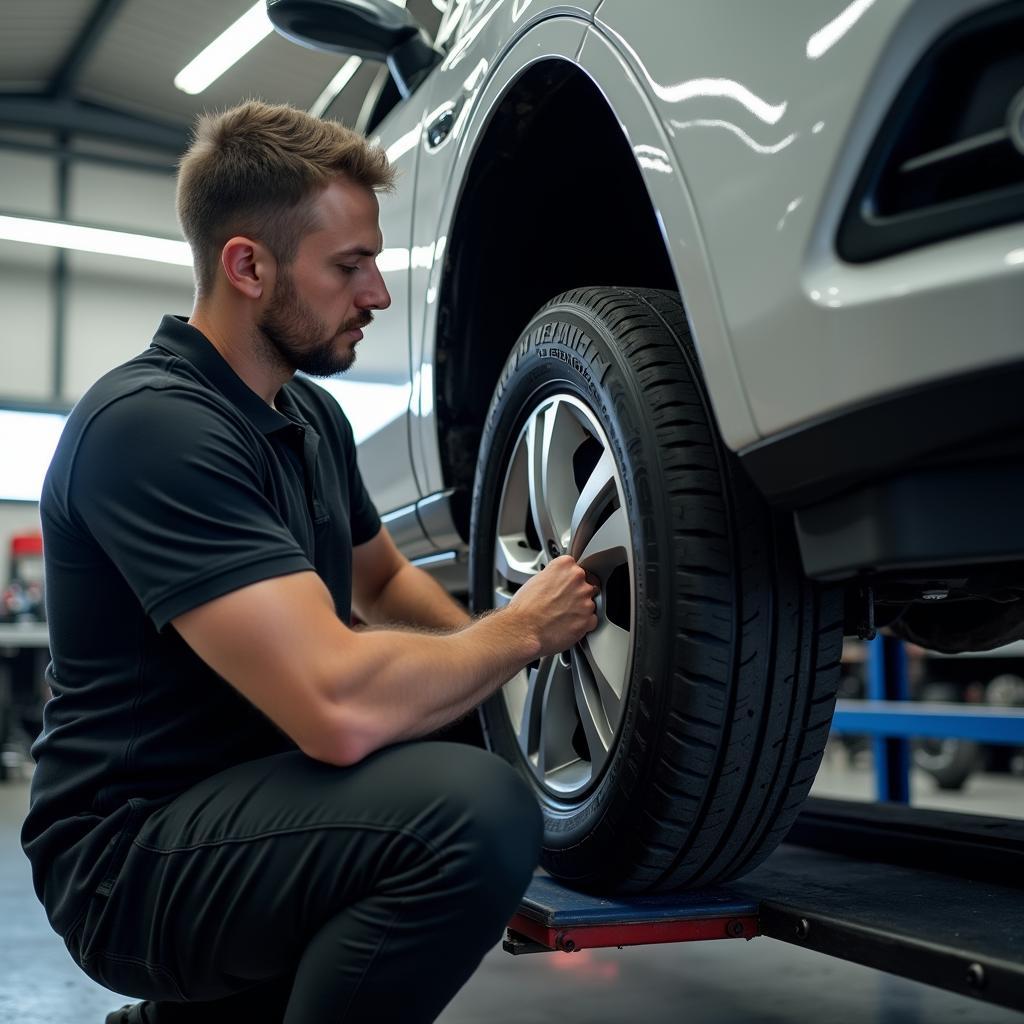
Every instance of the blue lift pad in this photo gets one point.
(962, 934)
(551, 916)
(555, 906)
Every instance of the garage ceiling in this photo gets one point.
(106, 67)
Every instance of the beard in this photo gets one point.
(300, 339)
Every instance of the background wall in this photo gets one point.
(62, 327)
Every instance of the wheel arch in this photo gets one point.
(551, 165)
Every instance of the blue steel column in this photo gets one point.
(887, 680)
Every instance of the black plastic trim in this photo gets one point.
(974, 846)
(954, 517)
(883, 436)
(962, 936)
(863, 234)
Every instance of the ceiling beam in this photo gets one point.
(65, 80)
(65, 154)
(79, 118)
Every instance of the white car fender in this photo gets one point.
(769, 110)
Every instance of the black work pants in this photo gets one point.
(286, 889)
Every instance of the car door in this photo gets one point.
(375, 392)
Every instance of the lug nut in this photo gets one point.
(976, 976)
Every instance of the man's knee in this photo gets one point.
(494, 822)
(507, 816)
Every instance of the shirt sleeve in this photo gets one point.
(172, 491)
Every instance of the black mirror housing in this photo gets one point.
(372, 29)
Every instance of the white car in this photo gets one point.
(724, 299)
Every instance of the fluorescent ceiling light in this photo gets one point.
(226, 50)
(335, 85)
(102, 240)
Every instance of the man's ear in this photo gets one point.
(248, 266)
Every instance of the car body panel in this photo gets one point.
(669, 193)
(748, 132)
(375, 391)
(770, 110)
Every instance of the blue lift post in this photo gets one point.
(887, 680)
(890, 719)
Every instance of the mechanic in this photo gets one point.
(235, 815)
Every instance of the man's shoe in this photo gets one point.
(134, 1013)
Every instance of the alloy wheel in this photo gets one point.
(562, 495)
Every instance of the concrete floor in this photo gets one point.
(758, 982)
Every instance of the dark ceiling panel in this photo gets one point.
(138, 46)
(34, 37)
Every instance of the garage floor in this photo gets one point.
(758, 982)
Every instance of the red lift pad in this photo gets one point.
(552, 917)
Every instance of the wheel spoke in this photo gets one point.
(513, 562)
(594, 717)
(552, 437)
(517, 694)
(558, 720)
(591, 502)
(608, 548)
(607, 652)
(532, 711)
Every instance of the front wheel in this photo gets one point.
(674, 744)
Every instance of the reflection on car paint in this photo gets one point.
(828, 35)
(653, 157)
(709, 88)
(476, 76)
(757, 147)
(403, 144)
(369, 405)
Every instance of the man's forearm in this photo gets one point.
(403, 685)
(413, 597)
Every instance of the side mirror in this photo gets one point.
(373, 29)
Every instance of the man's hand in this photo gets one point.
(558, 605)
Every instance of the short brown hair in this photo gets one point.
(252, 170)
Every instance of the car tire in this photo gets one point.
(692, 766)
(949, 761)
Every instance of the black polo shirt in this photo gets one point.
(173, 484)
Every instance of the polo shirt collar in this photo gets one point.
(177, 336)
